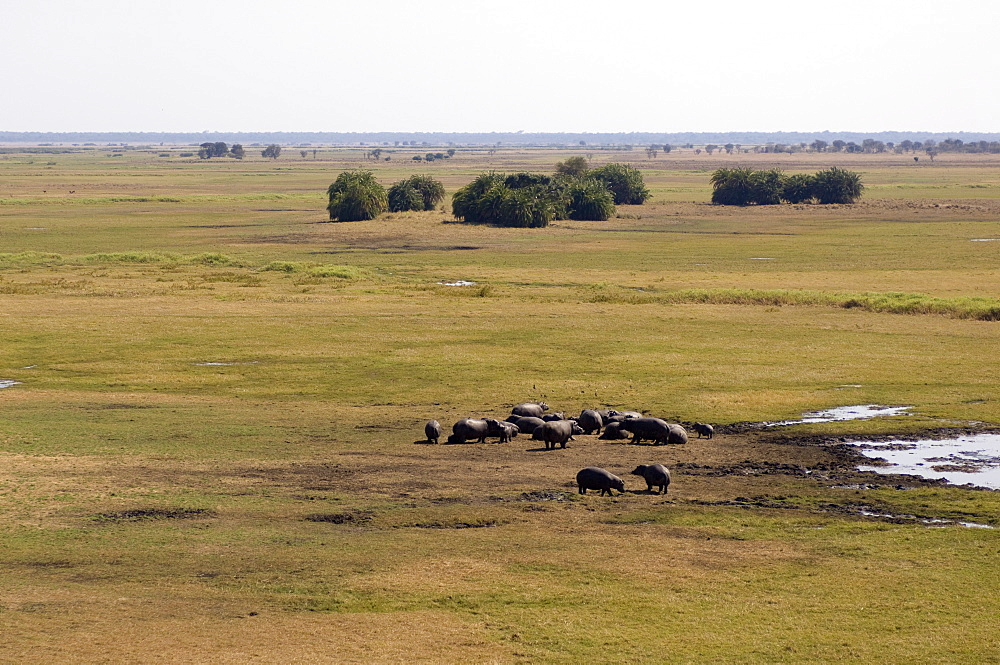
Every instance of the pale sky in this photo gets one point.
(503, 65)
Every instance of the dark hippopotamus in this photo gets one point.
(501, 428)
(528, 424)
(534, 409)
(557, 431)
(654, 429)
(591, 421)
(655, 474)
(704, 428)
(613, 431)
(558, 415)
(594, 478)
(677, 434)
(469, 428)
(432, 430)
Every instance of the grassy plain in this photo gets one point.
(214, 455)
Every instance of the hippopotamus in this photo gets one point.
(655, 474)
(558, 431)
(501, 428)
(703, 428)
(594, 478)
(607, 413)
(469, 428)
(535, 409)
(432, 430)
(591, 421)
(677, 434)
(654, 429)
(614, 431)
(528, 424)
(558, 415)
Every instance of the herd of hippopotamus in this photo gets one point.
(556, 428)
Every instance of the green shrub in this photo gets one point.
(490, 199)
(744, 186)
(766, 187)
(732, 186)
(589, 199)
(356, 196)
(625, 183)
(403, 197)
(431, 190)
(798, 188)
(837, 185)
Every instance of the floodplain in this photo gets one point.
(212, 404)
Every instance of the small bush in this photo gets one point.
(356, 196)
(836, 185)
(403, 197)
(589, 199)
(798, 188)
(743, 186)
(624, 181)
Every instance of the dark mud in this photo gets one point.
(141, 514)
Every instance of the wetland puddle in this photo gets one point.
(972, 459)
(858, 412)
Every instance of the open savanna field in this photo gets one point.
(214, 451)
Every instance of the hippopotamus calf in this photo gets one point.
(559, 415)
(558, 431)
(432, 430)
(535, 409)
(655, 474)
(704, 428)
(594, 478)
(501, 428)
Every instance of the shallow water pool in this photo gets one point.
(857, 412)
(971, 459)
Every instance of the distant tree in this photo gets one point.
(273, 151)
(451, 152)
(209, 150)
(314, 153)
(710, 148)
(836, 185)
(429, 157)
(237, 151)
(729, 148)
(906, 145)
(356, 196)
(667, 148)
(624, 181)
(818, 145)
(838, 145)
(573, 166)
(304, 153)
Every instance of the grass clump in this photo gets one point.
(130, 257)
(25, 259)
(974, 308)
